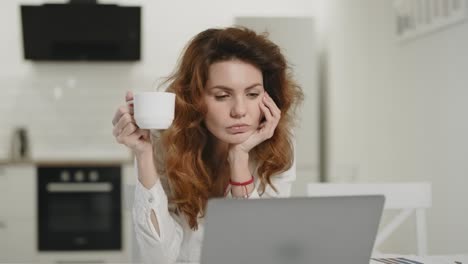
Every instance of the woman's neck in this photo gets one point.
(217, 150)
(217, 155)
(220, 152)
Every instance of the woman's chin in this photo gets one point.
(237, 138)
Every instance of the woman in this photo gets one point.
(231, 137)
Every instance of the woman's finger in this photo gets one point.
(123, 121)
(134, 139)
(129, 129)
(118, 126)
(123, 109)
(275, 111)
(128, 96)
(262, 125)
(266, 110)
(143, 133)
(269, 125)
(130, 109)
(127, 108)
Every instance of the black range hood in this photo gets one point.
(81, 30)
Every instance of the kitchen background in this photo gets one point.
(379, 108)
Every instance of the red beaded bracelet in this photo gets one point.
(241, 183)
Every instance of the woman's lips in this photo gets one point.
(238, 129)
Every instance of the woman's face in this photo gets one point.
(233, 94)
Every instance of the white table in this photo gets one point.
(390, 259)
(442, 259)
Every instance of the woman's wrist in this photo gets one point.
(239, 168)
(240, 173)
(236, 157)
(242, 191)
(144, 152)
(147, 173)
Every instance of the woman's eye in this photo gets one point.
(221, 97)
(253, 95)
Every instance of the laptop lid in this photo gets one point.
(299, 230)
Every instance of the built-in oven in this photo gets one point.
(79, 208)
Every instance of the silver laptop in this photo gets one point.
(299, 230)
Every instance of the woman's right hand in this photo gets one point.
(127, 132)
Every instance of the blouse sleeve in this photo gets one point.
(154, 247)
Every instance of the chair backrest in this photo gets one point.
(409, 197)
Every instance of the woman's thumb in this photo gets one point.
(129, 96)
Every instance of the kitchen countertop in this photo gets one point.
(78, 162)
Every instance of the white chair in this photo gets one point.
(407, 197)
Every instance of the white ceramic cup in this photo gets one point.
(154, 110)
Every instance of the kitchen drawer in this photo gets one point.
(18, 241)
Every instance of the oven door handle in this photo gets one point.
(79, 187)
(79, 261)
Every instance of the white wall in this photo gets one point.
(299, 47)
(397, 112)
(79, 124)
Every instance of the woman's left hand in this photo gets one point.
(265, 130)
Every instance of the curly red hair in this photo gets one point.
(182, 151)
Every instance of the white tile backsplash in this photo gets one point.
(76, 125)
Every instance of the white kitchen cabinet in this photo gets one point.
(3, 215)
(18, 191)
(22, 193)
(3, 238)
(3, 193)
(129, 179)
(128, 173)
(128, 186)
(17, 213)
(18, 241)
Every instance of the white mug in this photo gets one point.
(154, 110)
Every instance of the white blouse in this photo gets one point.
(177, 242)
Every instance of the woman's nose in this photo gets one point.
(239, 109)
